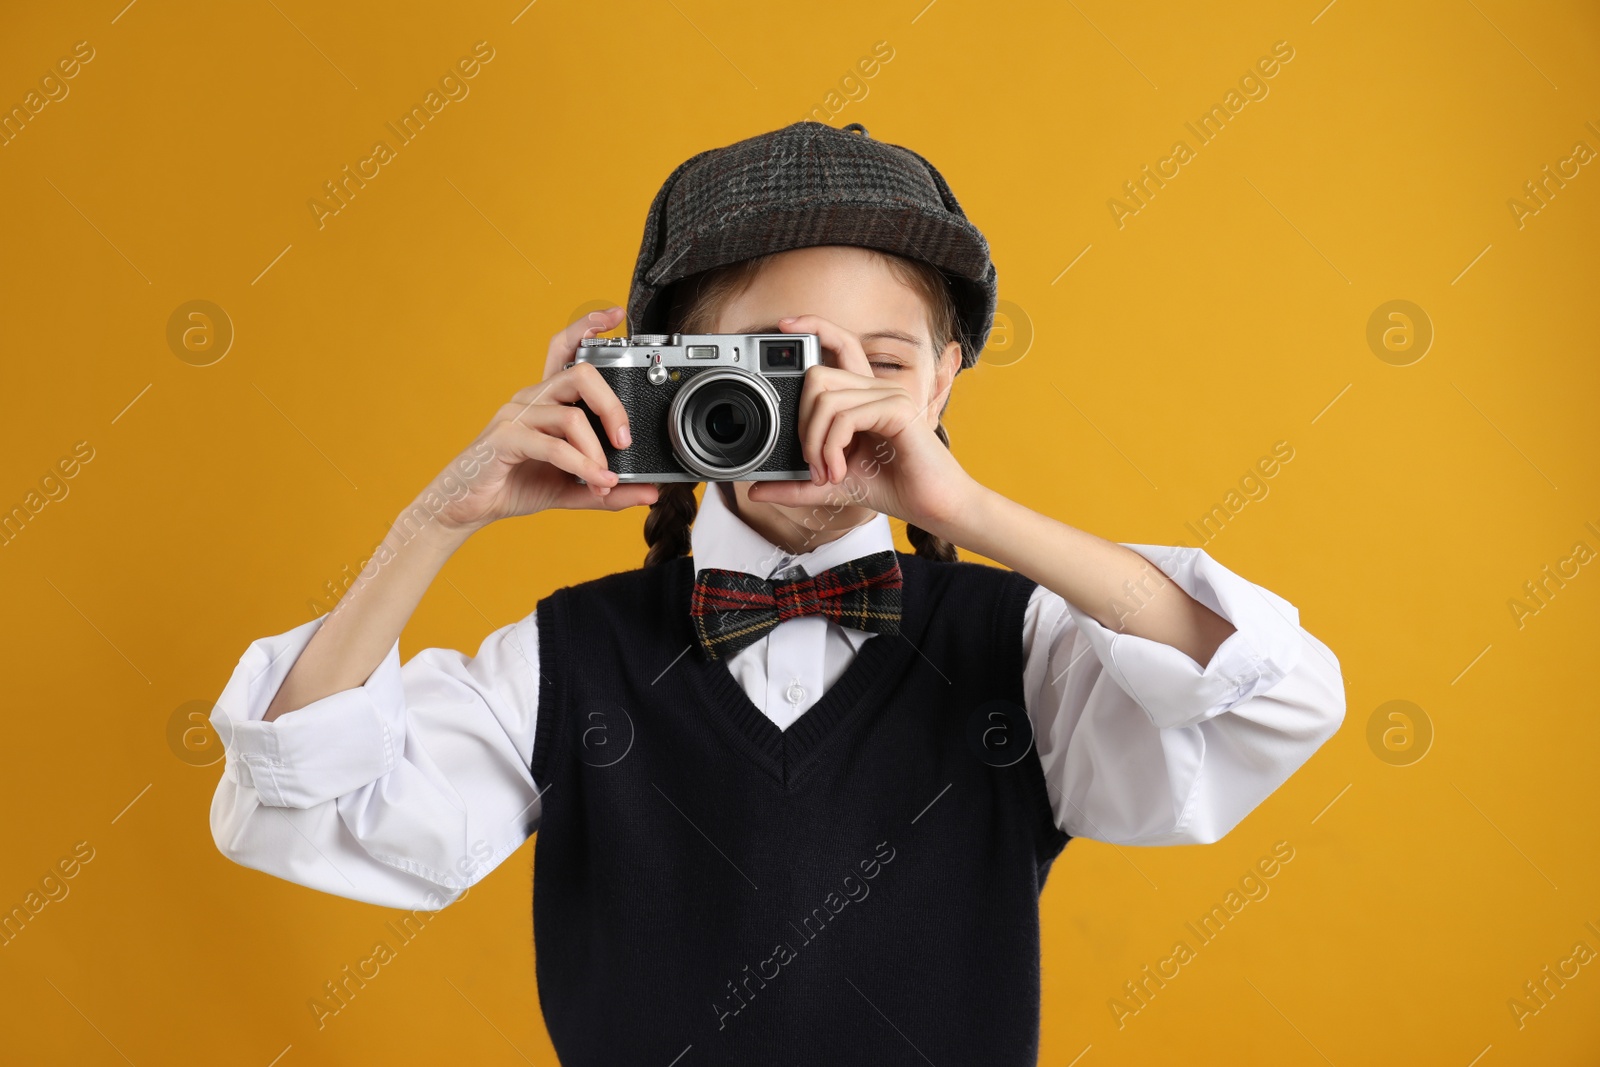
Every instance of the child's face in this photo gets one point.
(855, 290)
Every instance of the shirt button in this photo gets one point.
(795, 693)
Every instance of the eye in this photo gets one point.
(889, 365)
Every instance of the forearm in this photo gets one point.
(1114, 585)
(369, 618)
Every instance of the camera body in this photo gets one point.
(705, 407)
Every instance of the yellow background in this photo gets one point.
(1225, 316)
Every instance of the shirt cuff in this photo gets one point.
(1173, 689)
(324, 750)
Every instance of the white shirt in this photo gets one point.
(410, 788)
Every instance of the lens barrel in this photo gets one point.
(723, 424)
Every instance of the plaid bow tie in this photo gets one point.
(732, 609)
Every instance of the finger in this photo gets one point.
(565, 342)
(816, 421)
(826, 377)
(886, 417)
(532, 394)
(559, 420)
(623, 496)
(845, 387)
(801, 494)
(835, 340)
(597, 393)
(583, 382)
(515, 443)
(822, 378)
(572, 425)
(819, 380)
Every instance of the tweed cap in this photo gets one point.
(803, 185)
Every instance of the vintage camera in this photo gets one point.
(705, 407)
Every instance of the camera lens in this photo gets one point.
(724, 424)
(722, 419)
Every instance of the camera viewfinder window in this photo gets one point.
(780, 355)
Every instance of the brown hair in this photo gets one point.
(697, 303)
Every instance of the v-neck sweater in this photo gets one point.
(861, 887)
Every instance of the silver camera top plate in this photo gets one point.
(757, 353)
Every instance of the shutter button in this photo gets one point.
(795, 693)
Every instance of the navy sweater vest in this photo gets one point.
(860, 888)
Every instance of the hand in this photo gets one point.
(867, 439)
(525, 460)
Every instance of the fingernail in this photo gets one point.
(625, 436)
(789, 319)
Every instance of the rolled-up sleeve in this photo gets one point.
(1142, 745)
(402, 791)
(326, 749)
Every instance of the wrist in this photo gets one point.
(420, 528)
(963, 514)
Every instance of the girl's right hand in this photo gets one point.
(525, 460)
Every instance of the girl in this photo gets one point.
(797, 792)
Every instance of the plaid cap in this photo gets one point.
(809, 184)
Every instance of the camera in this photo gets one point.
(705, 407)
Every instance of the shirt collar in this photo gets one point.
(720, 538)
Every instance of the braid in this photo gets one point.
(927, 545)
(666, 528)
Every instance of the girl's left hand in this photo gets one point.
(868, 439)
